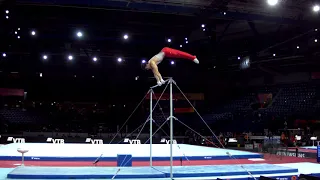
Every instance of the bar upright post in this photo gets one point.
(150, 119)
(171, 128)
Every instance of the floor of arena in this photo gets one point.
(210, 163)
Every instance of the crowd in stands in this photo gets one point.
(279, 107)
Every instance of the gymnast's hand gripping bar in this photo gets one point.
(152, 87)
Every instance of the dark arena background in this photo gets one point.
(76, 101)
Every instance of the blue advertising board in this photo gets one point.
(318, 154)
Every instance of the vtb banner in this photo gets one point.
(179, 96)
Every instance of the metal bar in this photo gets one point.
(150, 119)
(171, 129)
(152, 87)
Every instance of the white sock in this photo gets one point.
(196, 61)
(159, 83)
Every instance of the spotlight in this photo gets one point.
(15, 32)
(169, 40)
(4, 55)
(79, 34)
(316, 40)
(44, 57)
(125, 36)
(18, 37)
(316, 8)
(203, 29)
(94, 59)
(187, 42)
(272, 2)
(239, 58)
(33, 33)
(92, 76)
(274, 55)
(203, 25)
(172, 62)
(18, 29)
(224, 13)
(186, 39)
(119, 59)
(70, 57)
(143, 61)
(181, 45)
(298, 47)
(7, 11)
(7, 17)
(315, 29)
(40, 74)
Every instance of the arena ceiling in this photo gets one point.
(234, 28)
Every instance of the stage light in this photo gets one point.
(315, 29)
(18, 37)
(15, 32)
(316, 8)
(92, 76)
(75, 76)
(70, 57)
(272, 2)
(169, 40)
(7, 11)
(274, 55)
(239, 57)
(4, 55)
(203, 29)
(298, 47)
(18, 29)
(316, 40)
(186, 39)
(143, 61)
(40, 74)
(224, 13)
(172, 62)
(44, 57)
(187, 42)
(95, 59)
(119, 59)
(203, 25)
(7, 17)
(79, 34)
(181, 45)
(125, 36)
(33, 33)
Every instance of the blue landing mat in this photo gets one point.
(144, 172)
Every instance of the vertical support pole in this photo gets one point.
(171, 128)
(150, 119)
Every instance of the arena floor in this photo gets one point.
(54, 161)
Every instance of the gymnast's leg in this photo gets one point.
(173, 53)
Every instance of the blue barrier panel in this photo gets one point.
(318, 153)
(124, 160)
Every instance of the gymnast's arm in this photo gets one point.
(155, 70)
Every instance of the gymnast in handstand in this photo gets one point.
(170, 53)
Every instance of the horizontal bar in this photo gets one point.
(152, 87)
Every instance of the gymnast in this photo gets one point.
(170, 53)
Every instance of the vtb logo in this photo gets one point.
(16, 140)
(163, 140)
(134, 141)
(55, 141)
(94, 141)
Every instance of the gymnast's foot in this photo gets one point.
(159, 83)
(162, 81)
(196, 61)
